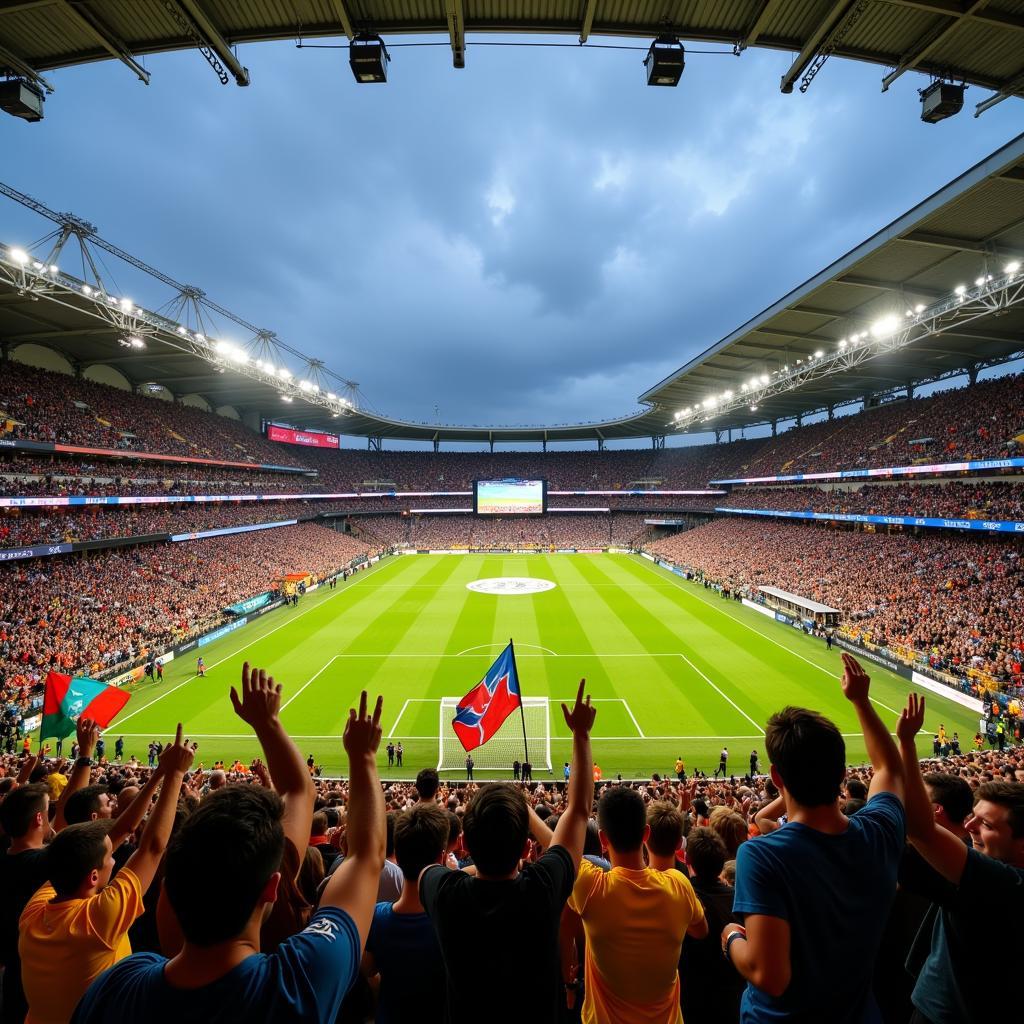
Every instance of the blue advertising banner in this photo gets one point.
(859, 474)
(984, 525)
(250, 605)
(222, 631)
(225, 530)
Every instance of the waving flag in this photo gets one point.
(69, 697)
(482, 711)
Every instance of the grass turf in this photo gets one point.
(678, 671)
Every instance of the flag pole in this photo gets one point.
(522, 714)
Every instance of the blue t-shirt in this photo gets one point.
(835, 891)
(412, 979)
(305, 980)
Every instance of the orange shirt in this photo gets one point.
(635, 922)
(65, 946)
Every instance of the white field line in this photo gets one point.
(771, 640)
(433, 736)
(397, 720)
(629, 711)
(491, 647)
(721, 693)
(307, 682)
(255, 640)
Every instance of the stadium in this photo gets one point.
(678, 635)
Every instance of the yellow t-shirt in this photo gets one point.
(65, 946)
(635, 922)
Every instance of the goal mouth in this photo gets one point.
(505, 746)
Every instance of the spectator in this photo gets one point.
(516, 909)
(711, 990)
(991, 874)
(634, 918)
(76, 926)
(402, 949)
(810, 936)
(220, 903)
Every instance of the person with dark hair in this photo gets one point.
(509, 905)
(24, 817)
(952, 984)
(318, 838)
(399, 754)
(220, 902)
(666, 823)
(710, 989)
(427, 784)
(91, 803)
(76, 927)
(402, 948)
(634, 918)
(810, 938)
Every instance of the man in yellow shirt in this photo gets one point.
(76, 926)
(635, 919)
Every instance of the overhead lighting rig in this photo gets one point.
(941, 100)
(665, 61)
(368, 57)
(21, 98)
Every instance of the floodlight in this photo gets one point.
(842, 343)
(919, 308)
(86, 290)
(818, 354)
(331, 395)
(764, 378)
(941, 100)
(1012, 267)
(21, 98)
(126, 305)
(54, 269)
(665, 61)
(36, 265)
(753, 408)
(136, 342)
(368, 58)
(884, 327)
(960, 289)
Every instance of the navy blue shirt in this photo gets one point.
(304, 980)
(412, 980)
(835, 891)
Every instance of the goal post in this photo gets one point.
(505, 746)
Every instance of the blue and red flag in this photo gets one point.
(482, 711)
(67, 698)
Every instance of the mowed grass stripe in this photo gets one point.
(811, 677)
(668, 690)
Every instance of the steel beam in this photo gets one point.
(213, 38)
(806, 55)
(589, 6)
(750, 37)
(110, 42)
(930, 41)
(341, 13)
(23, 68)
(456, 32)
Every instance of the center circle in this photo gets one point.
(510, 585)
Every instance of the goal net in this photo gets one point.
(505, 746)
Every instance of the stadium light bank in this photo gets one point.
(991, 293)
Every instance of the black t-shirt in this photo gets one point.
(20, 875)
(710, 987)
(499, 939)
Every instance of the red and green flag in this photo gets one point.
(69, 697)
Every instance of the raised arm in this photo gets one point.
(258, 707)
(87, 733)
(943, 850)
(175, 760)
(887, 775)
(572, 825)
(542, 835)
(353, 887)
(131, 817)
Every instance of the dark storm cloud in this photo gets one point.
(538, 238)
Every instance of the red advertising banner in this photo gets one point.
(309, 438)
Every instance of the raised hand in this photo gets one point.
(260, 700)
(362, 733)
(177, 757)
(687, 791)
(260, 773)
(855, 680)
(911, 719)
(88, 732)
(581, 719)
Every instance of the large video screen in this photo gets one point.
(309, 438)
(510, 497)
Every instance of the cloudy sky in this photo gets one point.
(536, 238)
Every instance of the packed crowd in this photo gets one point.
(767, 898)
(38, 405)
(955, 599)
(953, 500)
(88, 613)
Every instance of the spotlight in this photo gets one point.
(368, 57)
(22, 99)
(665, 61)
(941, 100)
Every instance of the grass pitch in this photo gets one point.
(677, 670)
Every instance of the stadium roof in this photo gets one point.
(977, 41)
(973, 226)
